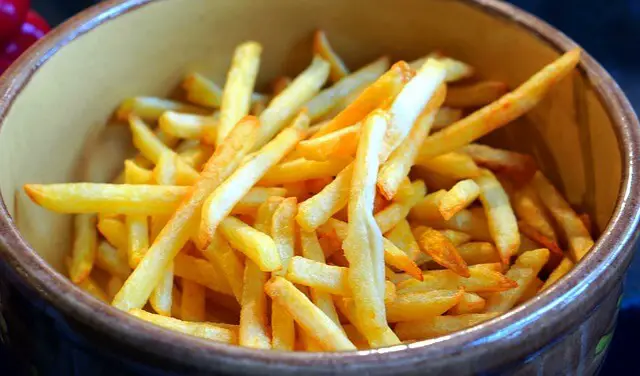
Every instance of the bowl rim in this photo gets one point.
(597, 272)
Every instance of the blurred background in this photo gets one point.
(608, 30)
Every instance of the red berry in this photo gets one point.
(12, 15)
(33, 28)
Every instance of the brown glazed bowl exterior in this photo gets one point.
(55, 101)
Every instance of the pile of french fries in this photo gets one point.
(344, 210)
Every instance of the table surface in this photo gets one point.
(610, 31)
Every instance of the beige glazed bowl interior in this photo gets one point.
(55, 130)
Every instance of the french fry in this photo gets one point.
(317, 210)
(136, 174)
(445, 117)
(500, 112)
(502, 221)
(469, 303)
(432, 327)
(114, 231)
(560, 271)
(199, 329)
(113, 286)
(256, 245)
(302, 169)
(83, 253)
(322, 48)
(580, 241)
(403, 238)
(457, 238)
(279, 84)
(472, 253)
(383, 89)
(417, 305)
(151, 108)
(202, 272)
(138, 238)
(283, 330)
(528, 207)
(336, 95)
(112, 260)
(202, 91)
(452, 165)
(283, 232)
(456, 70)
(459, 197)
(193, 301)
(428, 208)
(161, 298)
(253, 315)
(196, 156)
(441, 250)
(516, 165)
(310, 318)
(531, 291)
(187, 125)
(523, 272)
(355, 337)
(397, 211)
(220, 202)
(470, 222)
(483, 279)
(255, 197)
(231, 265)
(586, 220)
(92, 288)
(284, 106)
(319, 276)
(537, 237)
(297, 189)
(339, 144)
(475, 95)
(236, 97)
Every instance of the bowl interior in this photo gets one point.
(56, 130)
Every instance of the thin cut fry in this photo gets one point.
(283, 232)
(500, 112)
(236, 97)
(150, 108)
(322, 48)
(531, 291)
(456, 70)
(310, 318)
(255, 197)
(187, 125)
(231, 265)
(203, 330)
(529, 208)
(580, 241)
(256, 245)
(475, 95)
(417, 305)
(339, 144)
(451, 165)
(114, 231)
(469, 303)
(83, 253)
(403, 238)
(302, 169)
(445, 117)
(193, 301)
(93, 289)
(136, 174)
(161, 298)
(459, 197)
(138, 231)
(437, 326)
(283, 329)
(532, 233)
(397, 211)
(560, 271)
(113, 286)
(112, 260)
(483, 279)
(516, 165)
(253, 314)
(436, 245)
(202, 272)
(202, 91)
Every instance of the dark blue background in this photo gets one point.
(610, 31)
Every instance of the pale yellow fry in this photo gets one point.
(283, 329)
(445, 117)
(114, 231)
(463, 194)
(202, 272)
(198, 329)
(456, 70)
(339, 144)
(196, 156)
(428, 208)
(255, 197)
(310, 318)
(336, 95)
(112, 260)
(452, 165)
(303, 169)
(236, 97)
(515, 165)
(231, 265)
(523, 272)
(363, 245)
(151, 108)
(264, 217)
(531, 291)
(398, 210)
(469, 303)
(432, 327)
(475, 95)
(220, 202)
(136, 174)
(403, 238)
(560, 271)
(417, 305)
(161, 298)
(319, 276)
(93, 289)
(382, 90)
(193, 301)
(283, 231)
(113, 286)
(473, 223)
(500, 112)
(85, 243)
(138, 235)
(322, 48)
(166, 170)
(286, 104)
(187, 125)
(580, 241)
(257, 246)
(176, 233)
(253, 314)
(530, 209)
(317, 210)
(312, 250)
(501, 219)
(483, 279)
(202, 91)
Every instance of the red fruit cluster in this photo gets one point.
(19, 29)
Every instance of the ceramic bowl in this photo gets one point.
(56, 100)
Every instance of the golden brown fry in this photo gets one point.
(483, 279)
(472, 253)
(203, 330)
(283, 231)
(475, 95)
(417, 305)
(397, 211)
(339, 144)
(531, 291)
(202, 91)
(441, 250)
(469, 303)
(445, 117)
(284, 106)
(220, 202)
(580, 241)
(114, 231)
(355, 337)
(516, 165)
(112, 260)
(113, 286)
(302, 169)
(500, 112)
(437, 326)
(428, 209)
(187, 125)
(83, 253)
(322, 48)
(150, 108)
(319, 276)
(202, 272)
(310, 318)
(403, 238)
(256, 245)
(457, 238)
(231, 265)
(253, 315)
(138, 238)
(537, 237)
(193, 301)
(500, 216)
(451, 165)
(523, 272)
(463, 194)
(161, 298)
(560, 271)
(283, 329)
(255, 197)
(456, 70)
(93, 289)
(528, 207)
(236, 97)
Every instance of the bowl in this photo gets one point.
(56, 99)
